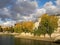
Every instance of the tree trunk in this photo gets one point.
(44, 35)
(50, 36)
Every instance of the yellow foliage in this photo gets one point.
(25, 25)
(29, 25)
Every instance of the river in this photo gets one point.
(11, 40)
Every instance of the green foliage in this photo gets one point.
(11, 29)
(1, 30)
(42, 29)
(37, 32)
(25, 30)
(52, 24)
(24, 27)
(17, 29)
(48, 24)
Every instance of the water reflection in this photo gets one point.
(6, 40)
(19, 41)
(11, 40)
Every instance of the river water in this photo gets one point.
(10, 40)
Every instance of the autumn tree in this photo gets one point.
(24, 27)
(11, 29)
(40, 30)
(27, 26)
(6, 29)
(52, 24)
(18, 28)
(42, 25)
(1, 30)
(48, 24)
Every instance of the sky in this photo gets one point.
(42, 2)
(12, 11)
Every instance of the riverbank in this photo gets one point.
(36, 38)
(30, 36)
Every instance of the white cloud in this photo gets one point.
(58, 2)
(4, 13)
(29, 18)
(26, 10)
(40, 12)
(4, 3)
(51, 8)
(19, 10)
(24, 7)
(34, 16)
(9, 23)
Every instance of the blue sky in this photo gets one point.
(39, 2)
(42, 2)
(26, 10)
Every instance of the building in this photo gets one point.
(39, 19)
(58, 29)
(37, 23)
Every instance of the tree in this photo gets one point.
(27, 26)
(18, 28)
(52, 24)
(11, 29)
(48, 24)
(37, 32)
(6, 29)
(1, 30)
(42, 29)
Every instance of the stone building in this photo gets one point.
(39, 19)
(58, 29)
(37, 23)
